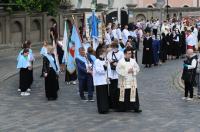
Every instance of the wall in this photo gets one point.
(18, 27)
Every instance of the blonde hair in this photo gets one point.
(50, 49)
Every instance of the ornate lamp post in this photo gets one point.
(167, 9)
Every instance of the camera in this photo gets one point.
(112, 66)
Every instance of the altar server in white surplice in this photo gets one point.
(101, 82)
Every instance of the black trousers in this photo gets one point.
(102, 99)
(24, 79)
(113, 93)
(188, 88)
(127, 105)
(155, 31)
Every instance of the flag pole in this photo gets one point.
(56, 54)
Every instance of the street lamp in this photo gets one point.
(167, 9)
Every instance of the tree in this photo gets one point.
(30, 6)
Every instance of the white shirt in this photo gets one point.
(133, 34)
(190, 40)
(193, 64)
(155, 26)
(114, 33)
(119, 55)
(99, 73)
(195, 34)
(107, 39)
(125, 35)
(119, 34)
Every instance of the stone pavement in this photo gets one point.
(163, 109)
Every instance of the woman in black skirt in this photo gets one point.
(163, 48)
(51, 71)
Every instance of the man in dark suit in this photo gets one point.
(84, 68)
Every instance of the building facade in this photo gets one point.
(20, 26)
(137, 3)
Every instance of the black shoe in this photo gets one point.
(138, 111)
(83, 98)
(51, 99)
(103, 112)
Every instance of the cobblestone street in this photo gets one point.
(163, 109)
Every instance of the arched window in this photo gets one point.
(140, 17)
(35, 25)
(185, 6)
(167, 6)
(16, 27)
(16, 32)
(149, 6)
(35, 31)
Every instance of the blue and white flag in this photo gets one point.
(94, 32)
(76, 39)
(65, 43)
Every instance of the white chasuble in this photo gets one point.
(127, 80)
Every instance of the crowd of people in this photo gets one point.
(111, 69)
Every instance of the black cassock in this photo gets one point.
(176, 46)
(183, 43)
(169, 41)
(163, 49)
(127, 105)
(51, 81)
(102, 99)
(60, 53)
(147, 54)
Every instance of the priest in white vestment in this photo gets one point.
(127, 69)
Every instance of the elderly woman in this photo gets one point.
(50, 70)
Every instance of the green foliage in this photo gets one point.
(30, 6)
